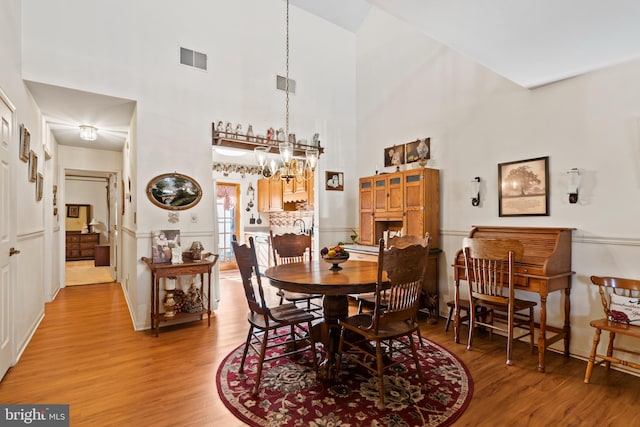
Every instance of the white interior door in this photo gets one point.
(6, 238)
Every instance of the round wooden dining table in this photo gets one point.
(315, 277)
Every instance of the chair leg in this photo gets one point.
(471, 314)
(612, 336)
(446, 326)
(532, 327)
(420, 337)
(417, 360)
(510, 335)
(313, 347)
(263, 351)
(339, 355)
(246, 349)
(380, 370)
(592, 356)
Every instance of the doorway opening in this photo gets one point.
(227, 199)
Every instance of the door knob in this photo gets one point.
(13, 251)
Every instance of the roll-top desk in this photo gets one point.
(545, 267)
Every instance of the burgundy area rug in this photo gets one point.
(290, 394)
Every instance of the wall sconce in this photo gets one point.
(573, 182)
(474, 191)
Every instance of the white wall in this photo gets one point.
(139, 59)
(410, 86)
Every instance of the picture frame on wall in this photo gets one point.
(25, 143)
(39, 184)
(524, 187)
(417, 150)
(394, 156)
(33, 166)
(73, 211)
(334, 181)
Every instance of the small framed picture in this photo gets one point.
(73, 211)
(334, 181)
(394, 156)
(162, 242)
(39, 184)
(33, 166)
(524, 189)
(418, 150)
(25, 143)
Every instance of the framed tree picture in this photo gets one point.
(524, 187)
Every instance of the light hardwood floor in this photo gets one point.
(86, 354)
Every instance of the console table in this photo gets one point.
(174, 270)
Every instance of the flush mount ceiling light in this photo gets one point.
(88, 133)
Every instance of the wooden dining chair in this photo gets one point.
(285, 326)
(392, 324)
(369, 299)
(288, 248)
(489, 272)
(621, 304)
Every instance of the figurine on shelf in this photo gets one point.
(220, 128)
(270, 133)
(229, 130)
(169, 305)
(316, 139)
(193, 300)
(250, 133)
(281, 136)
(238, 130)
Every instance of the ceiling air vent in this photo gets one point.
(281, 84)
(193, 59)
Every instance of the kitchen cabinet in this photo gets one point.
(270, 195)
(296, 191)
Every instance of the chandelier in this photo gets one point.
(288, 167)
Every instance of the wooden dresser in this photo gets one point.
(81, 246)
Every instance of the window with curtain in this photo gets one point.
(226, 202)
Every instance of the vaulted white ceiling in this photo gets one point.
(531, 42)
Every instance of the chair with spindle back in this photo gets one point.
(489, 272)
(621, 305)
(285, 326)
(288, 248)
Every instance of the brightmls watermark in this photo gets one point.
(34, 415)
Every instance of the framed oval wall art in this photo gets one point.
(174, 191)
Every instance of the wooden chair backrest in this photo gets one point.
(608, 285)
(489, 267)
(250, 274)
(290, 247)
(405, 269)
(408, 240)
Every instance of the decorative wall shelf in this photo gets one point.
(243, 142)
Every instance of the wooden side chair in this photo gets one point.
(489, 271)
(289, 248)
(369, 299)
(401, 272)
(285, 326)
(621, 304)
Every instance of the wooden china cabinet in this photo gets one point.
(407, 201)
